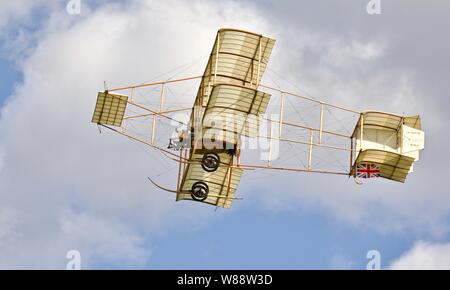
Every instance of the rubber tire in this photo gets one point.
(199, 191)
(210, 162)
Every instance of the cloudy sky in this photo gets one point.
(63, 186)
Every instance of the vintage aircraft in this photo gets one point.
(230, 108)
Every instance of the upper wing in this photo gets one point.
(227, 106)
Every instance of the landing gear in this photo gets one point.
(199, 191)
(210, 162)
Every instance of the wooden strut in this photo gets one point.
(351, 156)
(179, 169)
(154, 84)
(160, 113)
(261, 85)
(155, 113)
(164, 151)
(269, 161)
(309, 99)
(185, 160)
(248, 166)
(280, 122)
(161, 102)
(310, 149)
(307, 128)
(170, 155)
(306, 143)
(321, 124)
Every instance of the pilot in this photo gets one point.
(180, 143)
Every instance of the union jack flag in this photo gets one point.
(367, 170)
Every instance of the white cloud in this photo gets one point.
(7, 222)
(41, 242)
(60, 176)
(337, 53)
(70, 187)
(424, 256)
(17, 10)
(359, 74)
(102, 242)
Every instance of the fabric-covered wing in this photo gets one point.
(392, 166)
(109, 109)
(387, 121)
(227, 106)
(233, 111)
(238, 57)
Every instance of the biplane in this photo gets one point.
(231, 107)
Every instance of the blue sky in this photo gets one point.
(252, 239)
(53, 64)
(10, 76)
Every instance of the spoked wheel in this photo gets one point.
(199, 191)
(210, 162)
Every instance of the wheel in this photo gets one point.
(210, 162)
(199, 191)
